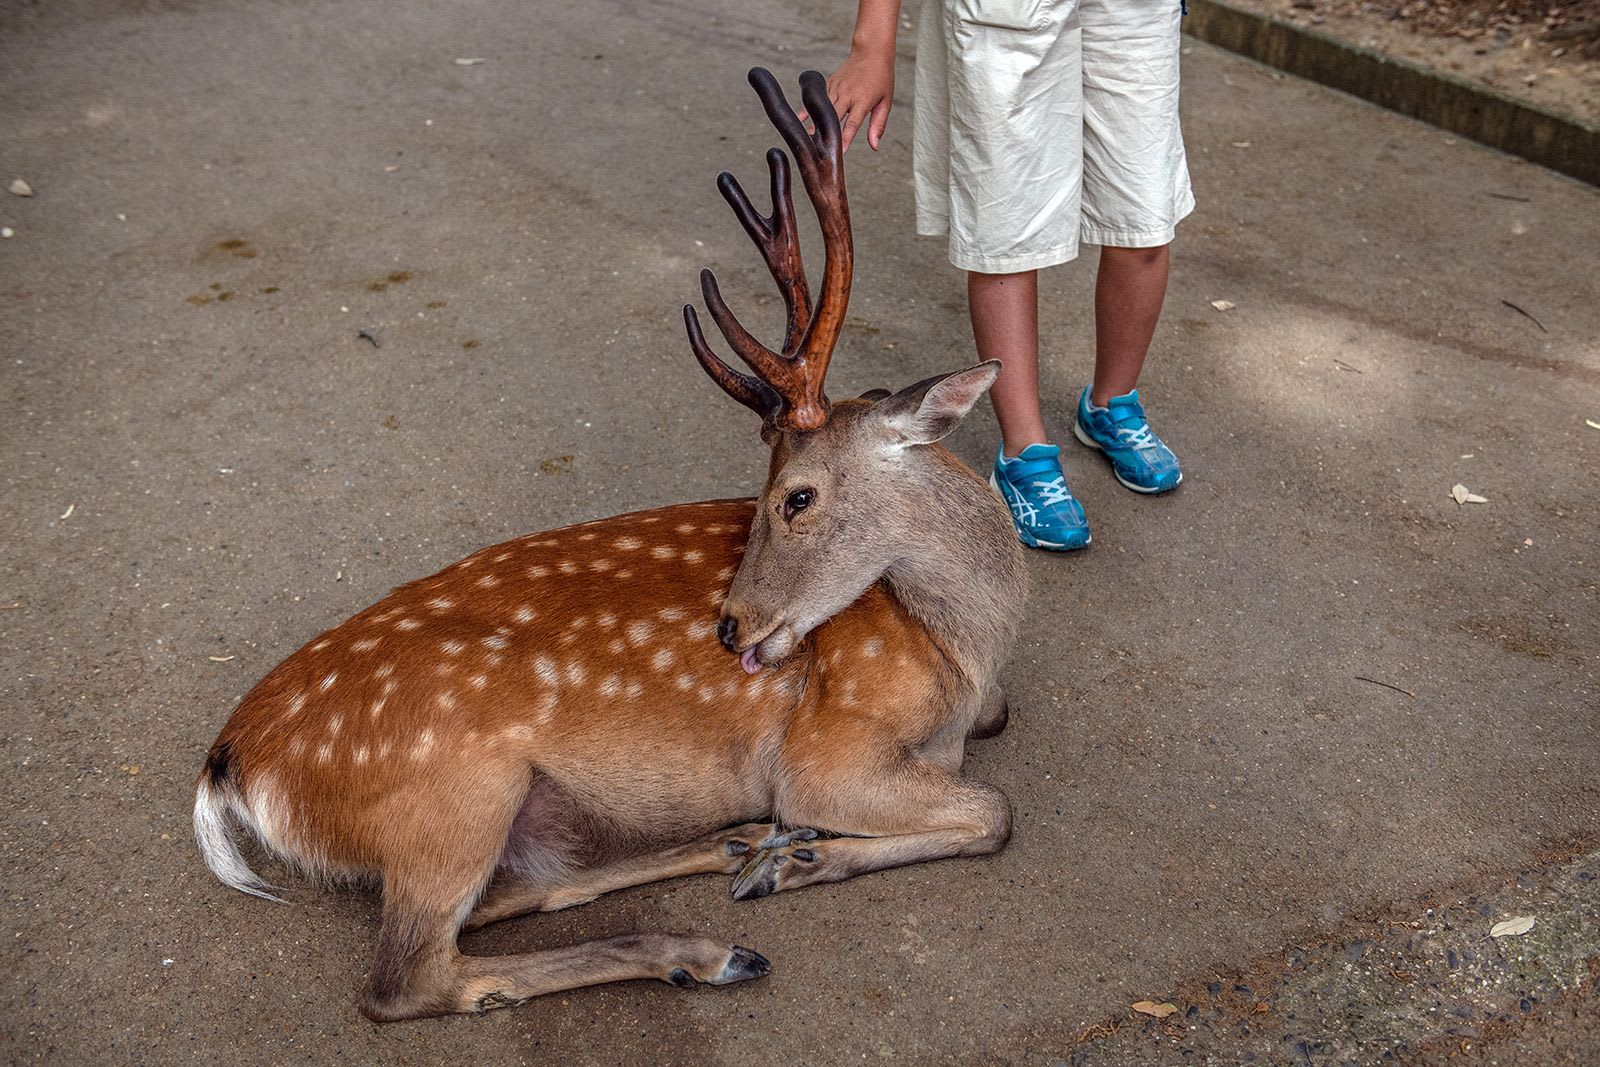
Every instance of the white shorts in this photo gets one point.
(1040, 124)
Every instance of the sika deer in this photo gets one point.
(551, 718)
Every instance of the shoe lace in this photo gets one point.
(1137, 436)
(1054, 491)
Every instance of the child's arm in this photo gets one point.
(864, 84)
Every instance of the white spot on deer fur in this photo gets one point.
(607, 619)
(298, 703)
(297, 747)
(872, 647)
(516, 733)
(686, 527)
(502, 557)
(588, 536)
(640, 632)
(725, 574)
(384, 748)
(685, 682)
(320, 645)
(390, 686)
(324, 753)
(538, 572)
(729, 688)
(446, 700)
(423, 746)
(480, 681)
(366, 644)
(716, 597)
(359, 756)
(627, 544)
(384, 671)
(671, 615)
(649, 519)
(662, 659)
(610, 686)
(452, 647)
(386, 616)
(700, 629)
(440, 603)
(706, 694)
(625, 573)
(327, 681)
(694, 555)
(546, 711)
(600, 566)
(335, 724)
(493, 659)
(377, 706)
(575, 672)
(634, 689)
(664, 551)
(524, 615)
(487, 581)
(568, 567)
(616, 647)
(495, 641)
(407, 624)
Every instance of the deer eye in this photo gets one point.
(798, 501)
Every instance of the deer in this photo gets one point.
(777, 689)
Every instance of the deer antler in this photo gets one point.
(787, 386)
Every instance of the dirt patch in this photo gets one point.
(1545, 53)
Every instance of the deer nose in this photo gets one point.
(728, 633)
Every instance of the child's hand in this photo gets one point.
(862, 90)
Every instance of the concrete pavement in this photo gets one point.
(204, 466)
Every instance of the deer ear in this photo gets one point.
(924, 413)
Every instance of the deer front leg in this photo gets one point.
(906, 814)
(723, 852)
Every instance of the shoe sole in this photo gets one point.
(1027, 538)
(1085, 439)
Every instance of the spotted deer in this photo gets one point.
(777, 689)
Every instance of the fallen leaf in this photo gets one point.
(1150, 1007)
(1224, 305)
(1512, 927)
(68, 513)
(221, 659)
(472, 61)
(19, 187)
(1527, 542)
(1241, 144)
(1463, 495)
(1592, 423)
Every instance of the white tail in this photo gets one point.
(559, 716)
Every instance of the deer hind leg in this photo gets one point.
(420, 972)
(902, 814)
(723, 852)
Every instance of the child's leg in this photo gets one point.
(1005, 325)
(1128, 291)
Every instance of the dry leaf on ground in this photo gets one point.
(1463, 495)
(1224, 305)
(1512, 927)
(19, 187)
(1150, 1007)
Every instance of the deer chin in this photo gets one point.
(771, 650)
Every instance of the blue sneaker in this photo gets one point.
(1035, 489)
(1138, 457)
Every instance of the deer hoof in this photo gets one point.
(743, 964)
(777, 840)
(764, 874)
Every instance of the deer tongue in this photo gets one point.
(747, 660)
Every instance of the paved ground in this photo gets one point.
(204, 466)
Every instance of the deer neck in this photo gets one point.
(965, 579)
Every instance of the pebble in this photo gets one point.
(19, 187)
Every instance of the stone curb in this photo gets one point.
(1562, 143)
